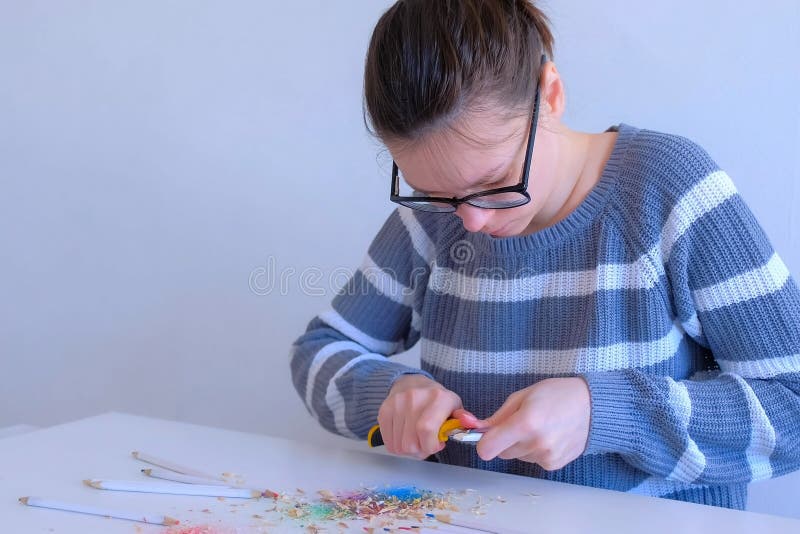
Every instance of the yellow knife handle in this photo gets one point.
(447, 427)
(375, 439)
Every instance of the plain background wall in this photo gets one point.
(161, 162)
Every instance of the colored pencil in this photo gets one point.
(94, 510)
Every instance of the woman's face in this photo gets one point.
(483, 153)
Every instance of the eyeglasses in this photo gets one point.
(494, 199)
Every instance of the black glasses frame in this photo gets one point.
(521, 187)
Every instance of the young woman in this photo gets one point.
(605, 304)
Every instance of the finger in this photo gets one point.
(433, 418)
(396, 437)
(520, 450)
(548, 464)
(409, 442)
(536, 449)
(502, 437)
(467, 419)
(385, 421)
(505, 411)
(428, 433)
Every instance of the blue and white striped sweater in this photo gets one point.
(660, 289)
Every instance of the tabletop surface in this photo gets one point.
(53, 462)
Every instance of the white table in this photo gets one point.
(52, 462)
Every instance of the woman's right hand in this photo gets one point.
(413, 413)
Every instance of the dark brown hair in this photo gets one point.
(430, 60)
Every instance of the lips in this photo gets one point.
(495, 233)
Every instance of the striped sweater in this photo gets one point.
(661, 290)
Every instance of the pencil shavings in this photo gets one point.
(296, 513)
(479, 508)
(378, 506)
(327, 495)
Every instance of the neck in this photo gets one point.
(570, 177)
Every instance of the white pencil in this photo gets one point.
(166, 464)
(165, 474)
(93, 510)
(173, 489)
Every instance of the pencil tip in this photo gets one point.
(135, 454)
(171, 521)
(147, 471)
(24, 500)
(91, 483)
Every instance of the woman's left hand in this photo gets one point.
(546, 423)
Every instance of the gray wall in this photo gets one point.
(161, 161)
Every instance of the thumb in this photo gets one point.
(509, 408)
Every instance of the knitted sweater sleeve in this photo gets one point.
(340, 365)
(738, 421)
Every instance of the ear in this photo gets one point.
(552, 97)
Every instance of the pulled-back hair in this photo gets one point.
(430, 60)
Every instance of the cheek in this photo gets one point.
(510, 219)
(520, 218)
(543, 164)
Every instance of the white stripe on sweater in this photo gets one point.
(763, 367)
(335, 320)
(499, 286)
(388, 286)
(419, 238)
(758, 282)
(319, 360)
(385, 283)
(334, 398)
(706, 195)
(692, 461)
(693, 327)
(762, 435)
(642, 273)
(623, 355)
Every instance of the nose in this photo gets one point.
(474, 219)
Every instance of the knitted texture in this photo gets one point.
(660, 289)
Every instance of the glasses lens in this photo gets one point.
(436, 207)
(404, 190)
(499, 201)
